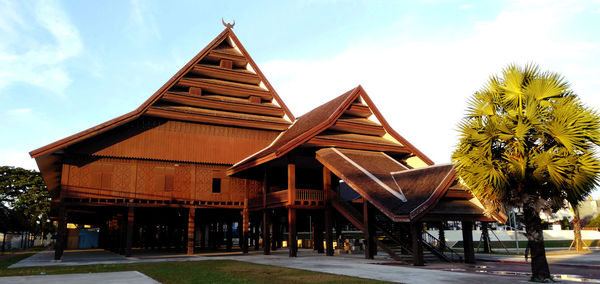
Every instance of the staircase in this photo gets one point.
(389, 235)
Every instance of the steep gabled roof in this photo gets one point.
(341, 121)
(202, 76)
(221, 85)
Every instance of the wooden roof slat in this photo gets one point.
(358, 138)
(226, 88)
(359, 110)
(236, 75)
(212, 117)
(238, 60)
(224, 103)
(318, 142)
(358, 126)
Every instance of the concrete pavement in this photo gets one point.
(350, 265)
(129, 277)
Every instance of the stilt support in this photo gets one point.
(416, 231)
(129, 231)
(292, 238)
(266, 232)
(467, 232)
(368, 218)
(59, 247)
(191, 231)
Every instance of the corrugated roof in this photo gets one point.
(319, 120)
(402, 194)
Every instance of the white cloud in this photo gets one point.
(143, 23)
(421, 86)
(19, 112)
(26, 59)
(17, 158)
(465, 6)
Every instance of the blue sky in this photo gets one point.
(68, 65)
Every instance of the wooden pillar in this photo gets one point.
(369, 232)
(245, 227)
(122, 233)
(292, 238)
(191, 230)
(467, 232)
(485, 235)
(416, 231)
(328, 212)
(229, 236)
(129, 231)
(318, 245)
(275, 231)
(256, 234)
(61, 239)
(291, 184)
(202, 229)
(442, 236)
(266, 232)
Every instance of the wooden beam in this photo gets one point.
(238, 75)
(359, 145)
(467, 233)
(221, 120)
(292, 238)
(191, 230)
(416, 231)
(227, 88)
(224, 103)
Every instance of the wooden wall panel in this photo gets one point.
(184, 182)
(124, 177)
(158, 139)
(112, 178)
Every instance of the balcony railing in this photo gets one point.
(307, 197)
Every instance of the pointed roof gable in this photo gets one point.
(346, 121)
(220, 85)
(213, 87)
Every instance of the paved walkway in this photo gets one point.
(129, 277)
(587, 259)
(351, 265)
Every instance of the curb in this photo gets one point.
(551, 264)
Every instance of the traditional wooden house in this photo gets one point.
(216, 147)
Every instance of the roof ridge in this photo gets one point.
(165, 88)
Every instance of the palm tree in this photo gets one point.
(528, 142)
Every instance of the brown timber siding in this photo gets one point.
(159, 139)
(151, 180)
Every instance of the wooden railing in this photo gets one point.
(309, 195)
(281, 197)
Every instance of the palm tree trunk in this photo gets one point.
(539, 265)
(577, 231)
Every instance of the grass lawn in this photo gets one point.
(217, 271)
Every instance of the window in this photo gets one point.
(216, 185)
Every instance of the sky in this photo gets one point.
(66, 66)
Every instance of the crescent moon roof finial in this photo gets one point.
(228, 25)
